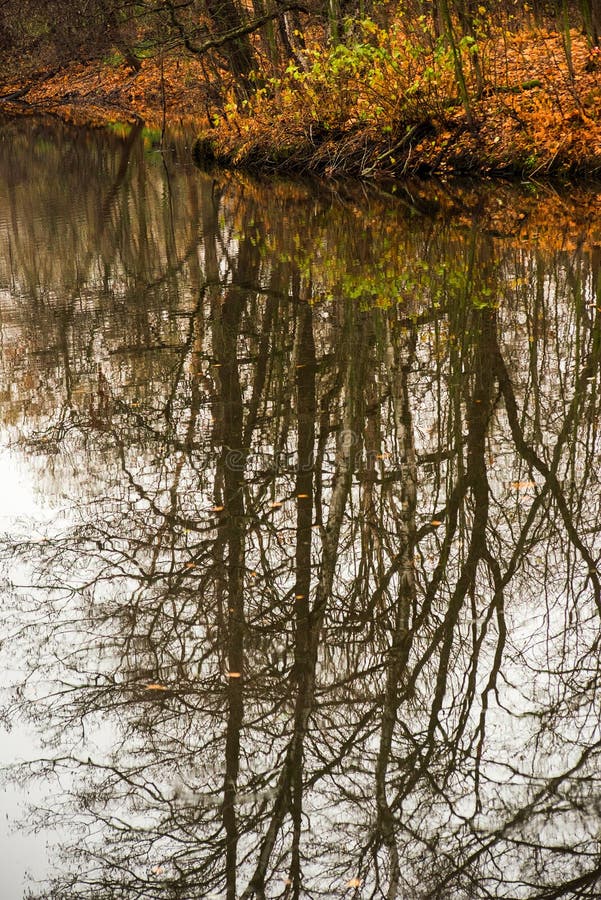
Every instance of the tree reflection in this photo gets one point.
(322, 617)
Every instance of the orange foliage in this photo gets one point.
(394, 109)
(402, 113)
(97, 93)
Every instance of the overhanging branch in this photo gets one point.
(234, 34)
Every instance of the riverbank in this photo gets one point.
(381, 107)
(392, 109)
(164, 91)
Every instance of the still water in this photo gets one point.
(300, 532)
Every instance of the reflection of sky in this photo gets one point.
(21, 853)
(18, 498)
(33, 504)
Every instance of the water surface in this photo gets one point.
(300, 530)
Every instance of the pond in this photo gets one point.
(301, 531)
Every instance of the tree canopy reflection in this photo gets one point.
(321, 617)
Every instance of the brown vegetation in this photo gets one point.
(381, 91)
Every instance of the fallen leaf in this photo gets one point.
(435, 523)
(234, 674)
(156, 687)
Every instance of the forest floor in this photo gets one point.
(380, 108)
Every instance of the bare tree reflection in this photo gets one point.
(322, 617)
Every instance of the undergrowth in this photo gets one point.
(390, 102)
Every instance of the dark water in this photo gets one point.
(301, 532)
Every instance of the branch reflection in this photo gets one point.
(322, 615)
